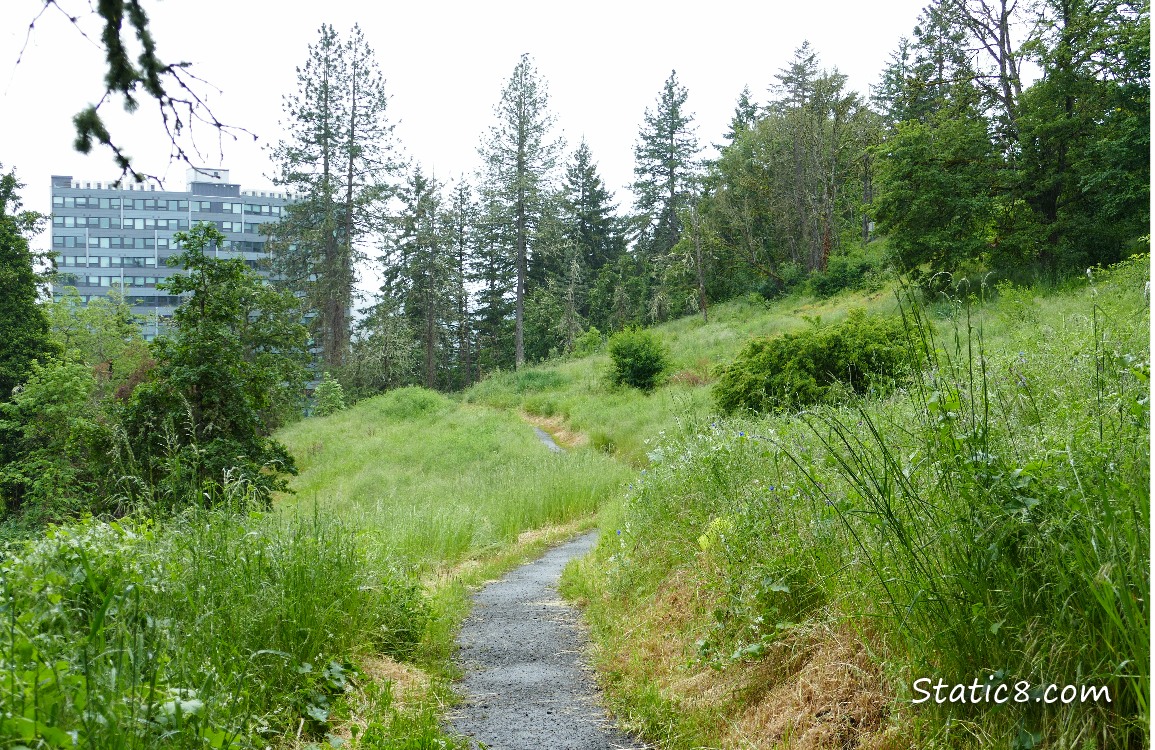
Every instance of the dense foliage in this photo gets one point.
(230, 370)
(23, 326)
(637, 358)
(863, 354)
(216, 630)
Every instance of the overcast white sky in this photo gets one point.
(444, 64)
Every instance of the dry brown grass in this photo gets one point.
(832, 696)
(409, 683)
(817, 687)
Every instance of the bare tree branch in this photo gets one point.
(171, 86)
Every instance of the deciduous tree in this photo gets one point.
(24, 336)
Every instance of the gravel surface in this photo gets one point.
(525, 683)
(547, 440)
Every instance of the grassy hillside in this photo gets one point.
(784, 581)
(626, 422)
(433, 481)
(776, 581)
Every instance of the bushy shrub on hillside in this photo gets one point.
(809, 367)
(328, 398)
(860, 269)
(587, 343)
(637, 358)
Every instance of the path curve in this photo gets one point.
(525, 685)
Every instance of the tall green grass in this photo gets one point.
(215, 629)
(430, 481)
(989, 521)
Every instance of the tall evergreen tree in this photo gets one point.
(337, 160)
(492, 274)
(460, 223)
(663, 168)
(427, 270)
(519, 158)
(745, 115)
(588, 212)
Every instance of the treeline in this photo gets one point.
(960, 159)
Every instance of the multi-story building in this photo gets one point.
(110, 237)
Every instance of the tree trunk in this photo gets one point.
(698, 265)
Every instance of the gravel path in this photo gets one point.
(547, 440)
(525, 685)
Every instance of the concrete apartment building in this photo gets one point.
(110, 237)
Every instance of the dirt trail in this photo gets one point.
(525, 683)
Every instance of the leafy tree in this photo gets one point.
(337, 160)
(58, 440)
(384, 352)
(785, 191)
(1085, 131)
(519, 158)
(328, 397)
(935, 201)
(1058, 172)
(103, 334)
(820, 120)
(24, 335)
(229, 371)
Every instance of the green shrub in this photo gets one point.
(813, 366)
(858, 269)
(410, 402)
(637, 358)
(328, 398)
(588, 343)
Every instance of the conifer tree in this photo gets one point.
(460, 222)
(664, 166)
(337, 160)
(427, 270)
(745, 115)
(588, 212)
(519, 156)
(491, 271)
